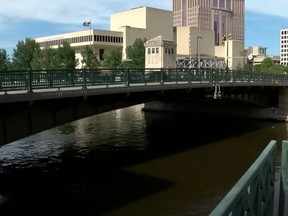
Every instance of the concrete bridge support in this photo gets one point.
(283, 104)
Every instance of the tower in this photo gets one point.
(225, 17)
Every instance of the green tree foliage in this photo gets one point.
(23, 54)
(66, 57)
(4, 60)
(136, 53)
(267, 66)
(89, 59)
(112, 59)
(45, 59)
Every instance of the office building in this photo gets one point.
(284, 47)
(124, 30)
(224, 17)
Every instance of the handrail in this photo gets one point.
(283, 206)
(253, 194)
(44, 79)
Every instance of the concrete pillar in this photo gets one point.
(283, 104)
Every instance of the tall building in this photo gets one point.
(284, 47)
(225, 17)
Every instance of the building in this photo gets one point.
(258, 54)
(284, 47)
(189, 43)
(160, 53)
(123, 32)
(224, 17)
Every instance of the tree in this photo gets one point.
(267, 63)
(112, 59)
(89, 59)
(45, 59)
(136, 53)
(23, 54)
(4, 60)
(66, 57)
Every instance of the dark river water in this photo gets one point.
(131, 163)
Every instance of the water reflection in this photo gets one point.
(127, 162)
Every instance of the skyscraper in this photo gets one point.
(283, 47)
(225, 17)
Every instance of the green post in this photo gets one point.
(127, 77)
(161, 76)
(30, 81)
(84, 79)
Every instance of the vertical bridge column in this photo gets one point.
(283, 104)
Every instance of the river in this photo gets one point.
(129, 162)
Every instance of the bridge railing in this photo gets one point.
(283, 191)
(253, 194)
(36, 79)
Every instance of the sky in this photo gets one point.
(36, 18)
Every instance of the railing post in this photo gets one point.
(30, 80)
(161, 76)
(127, 77)
(84, 79)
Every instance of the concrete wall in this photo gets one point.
(160, 53)
(186, 39)
(154, 21)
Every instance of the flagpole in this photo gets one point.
(90, 33)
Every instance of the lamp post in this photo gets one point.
(199, 37)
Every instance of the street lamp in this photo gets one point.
(199, 37)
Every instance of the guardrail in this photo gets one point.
(283, 195)
(35, 79)
(253, 194)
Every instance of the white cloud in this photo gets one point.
(67, 11)
(99, 11)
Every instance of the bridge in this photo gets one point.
(33, 101)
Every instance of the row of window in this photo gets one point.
(81, 39)
(156, 50)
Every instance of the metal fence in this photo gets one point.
(253, 194)
(33, 79)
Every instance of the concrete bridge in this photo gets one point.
(34, 101)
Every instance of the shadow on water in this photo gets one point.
(96, 182)
(190, 131)
(76, 192)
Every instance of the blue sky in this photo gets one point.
(34, 18)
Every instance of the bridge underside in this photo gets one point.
(21, 119)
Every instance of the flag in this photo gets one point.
(86, 23)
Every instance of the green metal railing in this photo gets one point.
(35, 79)
(253, 194)
(283, 205)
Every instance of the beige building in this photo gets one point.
(124, 30)
(160, 53)
(257, 54)
(152, 24)
(101, 41)
(199, 44)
